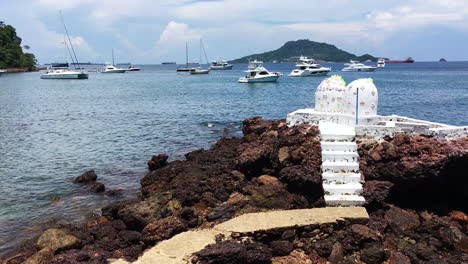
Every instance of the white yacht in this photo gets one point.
(110, 68)
(2, 71)
(258, 73)
(306, 67)
(200, 70)
(132, 68)
(64, 73)
(355, 66)
(220, 65)
(380, 63)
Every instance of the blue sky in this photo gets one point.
(145, 31)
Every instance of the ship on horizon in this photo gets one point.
(408, 60)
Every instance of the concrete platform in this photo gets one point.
(180, 248)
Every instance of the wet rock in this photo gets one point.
(115, 192)
(225, 211)
(281, 247)
(87, 177)
(157, 162)
(41, 257)
(229, 252)
(57, 239)
(98, 187)
(162, 229)
(337, 253)
(401, 221)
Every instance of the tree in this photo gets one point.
(11, 53)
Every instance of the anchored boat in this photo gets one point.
(220, 65)
(355, 66)
(258, 73)
(306, 67)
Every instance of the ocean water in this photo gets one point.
(53, 130)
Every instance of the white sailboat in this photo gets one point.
(186, 68)
(65, 73)
(111, 68)
(200, 70)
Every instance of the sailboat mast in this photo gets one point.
(69, 40)
(204, 51)
(113, 63)
(186, 55)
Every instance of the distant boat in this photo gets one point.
(168, 62)
(220, 65)
(200, 70)
(355, 66)
(111, 68)
(408, 60)
(257, 73)
(131, 68)
(186, 68)
(59, 65)
(2, 71)
(380, 63)
(442, 60)
(306, 67)
(61, 71)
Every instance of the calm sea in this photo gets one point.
(53, 130)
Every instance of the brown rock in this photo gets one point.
(162, 229)
(398, 258)
(41, 257)
(401, 221)
(337, 253)
(98, 187)
(57, 239)
(364, 233)
(268, 180)
(376, 192)
(157, 162)
(281, 247)
(283, 154)
(459, 215)
(89, 176)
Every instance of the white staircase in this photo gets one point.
(340, 166)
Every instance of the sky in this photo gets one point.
(153, 31)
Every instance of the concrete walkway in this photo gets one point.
(180, 248)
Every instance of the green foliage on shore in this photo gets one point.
(11, 53)
(316, 50)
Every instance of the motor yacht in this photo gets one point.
(131, 68)
(112, 69)
(257, 73)
(2, 71)
(355, 66)
(64, 73)
(380, 63)
(220, 65)
(306, 67)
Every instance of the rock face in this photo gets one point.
(412, 184)
(57, 239)
(87, 177)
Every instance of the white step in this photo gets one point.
(342, 189)
(333, 155)
(339, 166)
(327, 128)
(337, 137)
(344, 200)
(348, 177)
(338, 146)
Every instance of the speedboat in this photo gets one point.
(199, 70)
(131, 68)
(355, 66)
(380, 63)
(2, 71)
(220, 65)
(305, 67)
(113, 69)
(258, 73)
(64, 73)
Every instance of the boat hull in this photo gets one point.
(228, 67)
(115, 71)
(272, 78)
(359, 70)
(77, 76)
(200, 72)
(308, 73)
(133, 69)
(185, 69)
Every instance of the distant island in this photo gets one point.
(12, 56)
(442, 60)
(291, 51)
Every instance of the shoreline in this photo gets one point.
(24, 69)
(414, 188)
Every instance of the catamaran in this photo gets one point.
(64, 72)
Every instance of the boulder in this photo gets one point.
(157, 162)
(376, 192)
(57, 239)
(364, 233)
(87, 177)
(281, 247)
(401, 221)
(230, 252)
(375, 254)
(162, 229)
(43, 256)
(98, 187)
(337, 253)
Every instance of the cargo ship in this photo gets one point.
(408, 60)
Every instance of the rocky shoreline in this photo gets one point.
(414, 188)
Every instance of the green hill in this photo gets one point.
(11, 53)
(293, 49)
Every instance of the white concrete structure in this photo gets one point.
(344, 112)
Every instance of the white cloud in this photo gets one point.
(175, 33)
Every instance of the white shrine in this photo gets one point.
(343, 112)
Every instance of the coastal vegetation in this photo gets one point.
(291, 50)
(11, 52)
